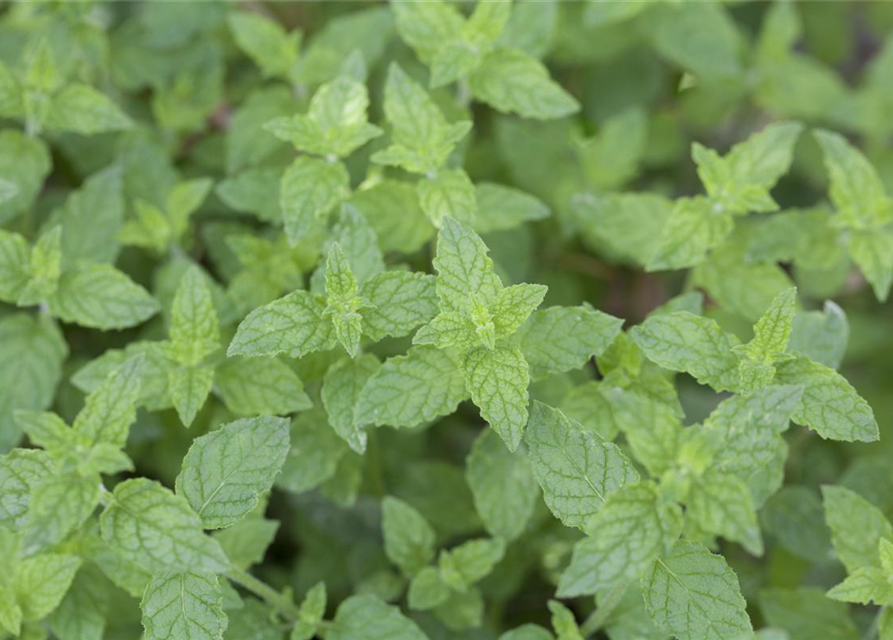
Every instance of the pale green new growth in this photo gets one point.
(226, 471)
(577, 470)
(408, 538)
(498, 379)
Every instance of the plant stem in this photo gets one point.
(598, 617)
(268, 594)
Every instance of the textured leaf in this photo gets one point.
(512, 82)
(25, 162)
(110, 409)
(314, 455)
(59, 504)
(577, 470)
(806, 613)
(194, 330)
(42, 581)
(625, 536)
(559, 339)
(293, 325)
(695, 226)
(865, 585)
(497, 380)
(190, 388)
(342, 386)
(872, 251)
(462, 566)
(500, 207)
(310, 189)
(464, 271)
(694, 595)
(82, 613)
(21, 470)
(400, 301)
(720, 503)
(265, 42)
(101, 297)
(830, 404)
(153, 528)
(821, 335)
(409, 390)
(82, 109)
(260, 386)
(427, 590)
(183, 605)
(681, 341)
(225, 471)
(448, 193)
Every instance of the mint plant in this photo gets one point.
(479, 320)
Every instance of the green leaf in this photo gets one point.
(865, 585)
(315, 453)
(821, 336)
(502, 485)
(183, 605)
(427, 590)
(310, 189)
(497, 380)
(343, 303)
(526, 631)
(448, 193)
(59, 504)
(111, 408)
(773, 330)
(190, 387)
(464, 271)
(225, 472)
(82, 613)
(694, 595)
(265, 42)
(806, 613)
(512, 82)
(680, 341)
(21, 470)
(408, 538)
(293, 325)
(342, 386)
(42, 582)
(421, 138)
(82, 109)
(399, 302)
(15, 265)
(559, 339)
(830, 404)
(500, 207)
(99, 296)
(25, 162)
(720, 503)
(246, 542)
(563, 622)
(335, 124)
(409, 390)
(856, 189)
(424, 26)
(364, 617)
(259, 386)
(470, 562)
(651, 427)
(155, 529)
(31, 358)
(871, 251)
(857, 527)
(634, 527)
(513, 305)
(695, 226)
(392, 209)
(577, 470)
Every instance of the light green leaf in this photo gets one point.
(425, 26)
(364, 617)
(21, 470)
(111, 408)
(651, 427)
(225, 472)
(246, 542)
(448, 193)
(856, 189)
(42, 582)
(190, 387)
(857, 526)
(314, 455)
(564, 623)
(577, 470)
(82, 109)
(392, 209)
(409, 390)
(634, 527)
(259, 386)
(513, 305)
(695, 226)
(59, 504)
(427, 590)
(872, 251)
(720, 503)
(158, 530)
(512, 82)
(399, 302)
(680, 341)
(464, 271)
(498, 380)
(293, 325)
(408, 538)
(773, 330)
(24, 161)
(82, 613)
(694, 595)
(265, 42)
(500, 207)
(611, 158)
(342, 386)
(15, 265)
(830, 404)
(31, 358)
(360, 245)
(865, 585)
(527, 631)
(502, 485)
(470, 562)
(310, 189)
(183, 605)
(343, 303)
(806, 613)
(421, 138)
(99, 296)
(559, 339)
(91, 219)
(821, 335)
